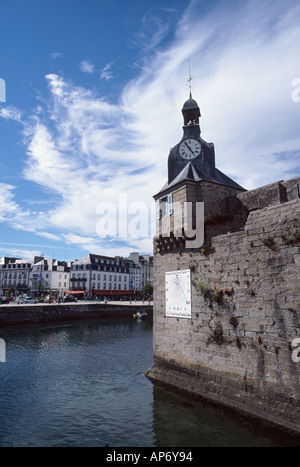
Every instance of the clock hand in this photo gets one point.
(189, 148)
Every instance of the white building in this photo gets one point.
(15, 275)
(141, 269)
(50, 277)
(97, 275)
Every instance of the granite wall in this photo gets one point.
(237, 347)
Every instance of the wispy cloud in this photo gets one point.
(19, 252)
(86, 66)
(106, 72)
(11, 113)
(14, 215)
(86, 151)
(55, 55)
(152, 31)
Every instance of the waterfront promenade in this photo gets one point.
(14, 313)
(82, 302)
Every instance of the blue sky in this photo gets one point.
(94, 91)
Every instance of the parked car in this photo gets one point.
(4, 301)
(70, 298)
(28, 300)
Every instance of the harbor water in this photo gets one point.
(82, 383)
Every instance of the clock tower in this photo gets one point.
(192, 178)
(192, 148)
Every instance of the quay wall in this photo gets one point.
(10, 314)
(237, 347)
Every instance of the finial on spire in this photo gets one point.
(189, 80)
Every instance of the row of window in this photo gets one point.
(109, 286)
(9, 275)
(8, 283)
(14, 283)
(35, 284)
(21, 275)
(110, 277)
(87, 267)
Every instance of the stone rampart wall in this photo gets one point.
(236, 348)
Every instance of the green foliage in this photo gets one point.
(216, 336)
(294, 240)
(219, 296)
(147, 290)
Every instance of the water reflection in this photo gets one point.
(77, 384)
(183, 421)
(82, 384)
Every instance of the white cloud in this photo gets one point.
(86, 150)
(7, 206)
(77, 239)
(86, 67)
(11, 113)
(153, 30)
(15, 215)
(243, 63)
(49, 236)
(19, 252)
(55, 55)
(106, 72)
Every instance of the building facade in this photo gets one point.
(89, 277)
(50, 277)
(141, 270)
(15, 276)
(96, 275)
(111, 277)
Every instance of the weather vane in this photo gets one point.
(189, 80)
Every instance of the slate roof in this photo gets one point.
(191, 173)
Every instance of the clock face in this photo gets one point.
(189, 149)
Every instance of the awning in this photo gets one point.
(73, 292)
(113, 292)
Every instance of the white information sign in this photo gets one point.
(178, 294)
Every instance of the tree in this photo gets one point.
(147, 290)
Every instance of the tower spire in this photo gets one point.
(189, 80)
